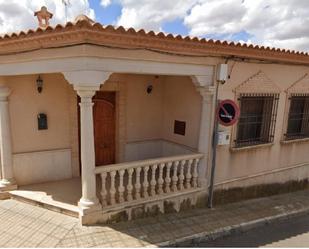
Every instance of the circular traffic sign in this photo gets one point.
(228, 112)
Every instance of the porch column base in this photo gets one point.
(5, 187)
(7, 183)
(88, 206)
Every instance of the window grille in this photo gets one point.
(298, 119)
(256, 124)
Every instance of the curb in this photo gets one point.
(232, 230)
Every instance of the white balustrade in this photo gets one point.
(113, 188)
(153, 181)
(195, 174)
(121, 187)
(145, 184)
(138, 183)
(175, 177)
(168, 177)
(130, 186)
(160, 180)
(188, 174)
(103, 190)
(181, 175)
(146, 179)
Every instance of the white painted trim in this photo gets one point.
(42, 151)
(93, 79)
(107, 65)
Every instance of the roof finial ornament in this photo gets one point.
(43, 16)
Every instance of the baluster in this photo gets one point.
(181, 175)
(113, 189)
(103, 190)
(153, 180)
(138, 183)
(188, 175)
(168, 177)
(130, 186)
(160, 180)
(175, 177)
(195, 174)
(145, 184)
(121, 187)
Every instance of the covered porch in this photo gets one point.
(155, 168)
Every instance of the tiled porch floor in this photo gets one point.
(61, 196)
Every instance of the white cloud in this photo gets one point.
(151, 14)
(105, 3)
(17, 15)
(215, 17)
(282, 23)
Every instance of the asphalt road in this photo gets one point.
(290, 233)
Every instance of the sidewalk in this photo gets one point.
(23, 225)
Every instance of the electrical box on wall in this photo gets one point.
(42, 121)
(222, 73)
(224, 137)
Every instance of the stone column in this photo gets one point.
(86, 83)
(89, 197)
(205, 134)
(7, 173)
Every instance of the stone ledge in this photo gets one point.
(251, 147)
(291, 141)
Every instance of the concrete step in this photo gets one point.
(44, 202)
(4, 191)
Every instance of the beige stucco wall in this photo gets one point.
(149, 118)
(267, 164)
(26, 103)
(57, 145)
(143, 110)
(181, 102)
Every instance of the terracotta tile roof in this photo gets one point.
(85, 31)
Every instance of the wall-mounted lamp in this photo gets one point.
(39, 84)
(149, 89)
(150, 86)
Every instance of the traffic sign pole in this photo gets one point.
(227, 113)
(214, 151)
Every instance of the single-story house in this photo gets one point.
(109, 124)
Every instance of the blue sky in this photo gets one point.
(106, 15)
